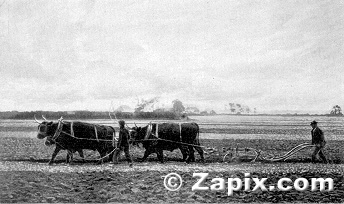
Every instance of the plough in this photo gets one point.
(234, 152)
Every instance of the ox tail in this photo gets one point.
(196, 142)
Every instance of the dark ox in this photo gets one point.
(84, 136)
(178, 136)
(69, 158)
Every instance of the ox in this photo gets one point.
(75, 136)
(168, 136)
(69, 158)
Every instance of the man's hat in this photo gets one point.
(314, 122)
(121, 122)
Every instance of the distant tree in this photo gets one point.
(204, 113)
(336, 110)
(212, 112)
(178, 106)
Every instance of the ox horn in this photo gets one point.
(135, 125)
(36, 120)
(128, 127)
(110, 115)
(44, 118)
(61, 120)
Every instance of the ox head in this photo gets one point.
(45, 128)
(137, 133)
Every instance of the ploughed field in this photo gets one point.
(26, 177)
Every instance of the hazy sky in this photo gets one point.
(81, 55)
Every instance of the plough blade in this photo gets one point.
(258, 155)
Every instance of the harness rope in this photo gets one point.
(157, 138)
(71, 128)
(113, 140)
(59, 131)
(167, 141)
(133, 140)
(89, 138)
(149, 131)
(180, 132)
(95, 130)
(93, 159)
(156, 130)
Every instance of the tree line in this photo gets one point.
(73, 115)
(175, 113)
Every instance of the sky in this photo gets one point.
(273, 55)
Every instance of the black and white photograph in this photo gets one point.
(171, 101)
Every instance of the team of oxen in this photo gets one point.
(75, 136)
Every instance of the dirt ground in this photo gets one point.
(142, 184)
(26, 177)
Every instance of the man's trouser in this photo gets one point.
(318, 150)
(118, 152)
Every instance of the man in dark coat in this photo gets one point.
(122, 144)
(319, 141)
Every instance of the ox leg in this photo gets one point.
(102, 154)
(160, 154)
(81, 153)
(69, 156)
(56, 151)
(116, 155)
(111, 155)
(147, 153)
(184, 151)
(201, 153)
(191, 157)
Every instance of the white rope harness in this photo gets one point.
(88, 138)
(157, 130)
(71, 129)
(95, 130)
(149, 131)
(101, 158)
(180, 131)
(113, 140)
(58, 130)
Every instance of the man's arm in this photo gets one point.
(126, 135)
(318, 134)
(322, 138)
(120, 137)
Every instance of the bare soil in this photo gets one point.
(26, 177)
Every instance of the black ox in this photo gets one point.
(69, 158)
(170, 136)
(76, 136)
